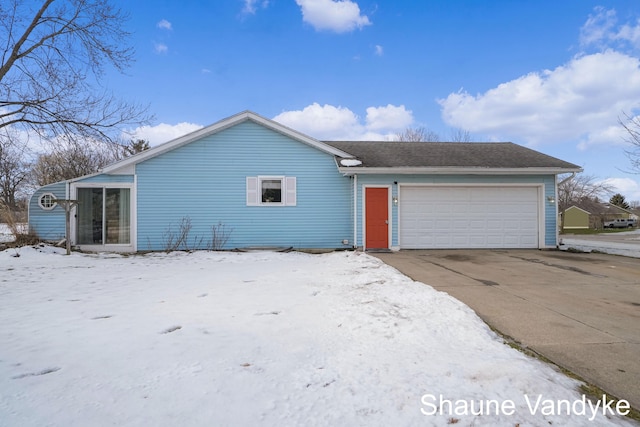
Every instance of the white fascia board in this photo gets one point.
(217, 127)
(80, 178)
(454, 171)
(124, 170)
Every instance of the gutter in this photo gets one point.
(453, 170)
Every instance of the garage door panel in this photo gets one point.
(468, 217)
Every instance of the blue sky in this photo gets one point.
(554, 76)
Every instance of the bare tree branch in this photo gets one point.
(52, 62)
(579, 188)
(71, 159)
(419, 134)
(460, 135)
(632, 126)
(14, 172)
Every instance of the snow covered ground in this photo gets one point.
(625, 243)
(255, 339)
(5, 234)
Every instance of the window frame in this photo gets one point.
(262, 179)
(52, 199)
(133, 220)
(288, 190)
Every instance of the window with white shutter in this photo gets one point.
(271, 191)
(252, 191)
(290, 191)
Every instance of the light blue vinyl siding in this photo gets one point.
(550, 226)
(206, 181)
(48, 225)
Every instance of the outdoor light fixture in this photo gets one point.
(395, 200)
(551, 199)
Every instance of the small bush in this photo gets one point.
(179, 239)
(174, 240)
(220, 234)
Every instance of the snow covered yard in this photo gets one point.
(5, 233)
(249, 339)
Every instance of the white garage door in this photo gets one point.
(468, 217)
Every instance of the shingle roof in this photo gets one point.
(379, 154)
(599, 208)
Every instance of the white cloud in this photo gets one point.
(322, 122)
(162, 133)
(630, 33)
(602, 30)
(609, 136)
(628, 187)
(328, 122)
(160, 48)
(580, 100)
(599, 26)
(389, 118)
(164, 25)
(379, 50)
(339, 16)
(250, 6)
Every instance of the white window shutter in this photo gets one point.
(252, 191)
(290, 188)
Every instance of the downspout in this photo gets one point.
(67, 196)
(573, 174)
(355, 211)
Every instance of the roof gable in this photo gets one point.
(574, 208)
(218, 127)
(452, 156)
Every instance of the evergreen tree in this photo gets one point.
(618, 200)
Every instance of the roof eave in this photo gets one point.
(455, 170)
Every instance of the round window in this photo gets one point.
(47, 201)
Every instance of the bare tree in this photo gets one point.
(422, 134)
(632, 126)
(460, 135)
(419, 134)
(52, 57)
(581, 187)
(14, 173)
(71, 160)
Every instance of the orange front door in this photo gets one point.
(377, 218)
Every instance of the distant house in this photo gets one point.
(576, 218)
(270, 185)
(588, 214)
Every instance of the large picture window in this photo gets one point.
(103, 216)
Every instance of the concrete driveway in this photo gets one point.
(582, 311)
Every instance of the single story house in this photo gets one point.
(265, 184)
(589, 214)
(576, 218)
